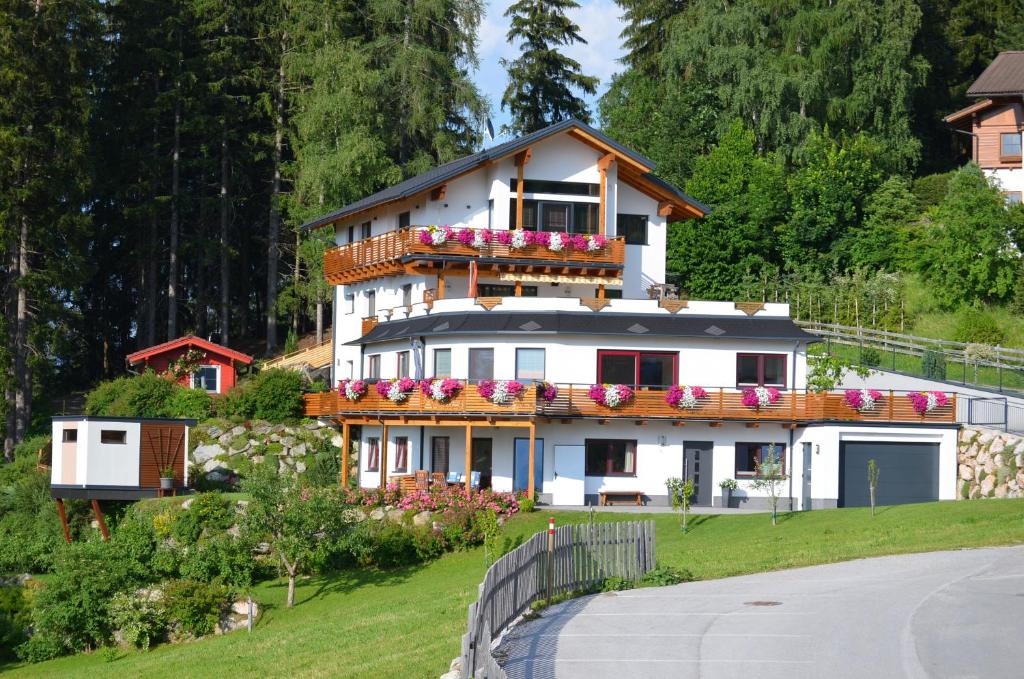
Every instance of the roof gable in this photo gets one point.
(1005, 75)
(188, 341)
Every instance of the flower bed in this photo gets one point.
(438, 499)
(352, 390)
(556, 241)
(440, 389)
(925, 402)
(500, 392)
(862, 400)
(610, 395)
(684, 397)
(396, 391)
(760, 397)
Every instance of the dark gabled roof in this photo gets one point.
(188, 341)
(1005, 75)
(442, 173)
(586, 323)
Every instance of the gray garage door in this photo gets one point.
(908, 472)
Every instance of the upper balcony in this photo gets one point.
(404, 251)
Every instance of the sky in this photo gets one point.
(600, 25)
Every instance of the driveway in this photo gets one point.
(941, 614)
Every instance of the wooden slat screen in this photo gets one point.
(161, 444)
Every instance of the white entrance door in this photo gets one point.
(568, 481)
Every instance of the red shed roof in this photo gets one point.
(188, 341)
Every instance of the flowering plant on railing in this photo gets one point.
(436, 235)
(926, 401)
(547, 391)
(559, 241)
(610, 395)
(862, 400)
(500, 392)
(684, 397)
(353, 390)
(760, 397)
(396, 391)
(441, 390)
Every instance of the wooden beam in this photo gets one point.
(678, 423)
(440, 285)
(63, 515)
(714, 424)
(640, 423)
(600, 291)
(789, 425)
(602, 203)
(529, 475)
(438, 193)
(753, 425)
(99, 519)
(664, 208)
(519, 288)
(384, 458)
(469, 457)
(346, 446)
(522, 158)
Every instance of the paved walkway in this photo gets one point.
(936, 615)
(649, 509)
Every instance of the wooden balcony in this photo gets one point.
(401, 251)
(572, 402)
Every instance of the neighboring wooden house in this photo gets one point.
(995, 121)
(209, 366)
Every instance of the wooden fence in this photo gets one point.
(584, 556)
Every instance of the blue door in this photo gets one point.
(521, 471)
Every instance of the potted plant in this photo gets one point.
(167, 478)
(727, 486)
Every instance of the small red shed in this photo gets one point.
(206, 365)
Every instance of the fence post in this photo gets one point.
(551, 556)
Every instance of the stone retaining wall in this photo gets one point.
(990, 464)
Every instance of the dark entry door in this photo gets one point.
(482, 456)
(907, 472)
(521, 470)
(697, 457)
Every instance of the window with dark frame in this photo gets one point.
(1009, 146)
(637, 368)
(407, 294)
(556, 187)
(373, 454)
(633, 228)
(481, 364)
(439, 446)
(373, 367)
(610, 457)
(351, 234)
(366, 229)
(761, 370)
(556, 216)
(750, 455)
(69, 436)
(503, 290)
(113, 436)
(442, 362)
(402, 364)
(529, 364)
(206, 377)
(401, 453)
(404, 219)
(371, 303)
(609, 293)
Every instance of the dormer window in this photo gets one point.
(1009, 147)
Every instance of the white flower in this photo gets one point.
(438, 236)
(933, 402)
(395, 394)
(612, 396)
(764, 398)
(556, 243)
(501, 395)
(350, 393)
(518, 240)
(478, 240)
(688, 400)
(867, 400)
(435, 391)
(592, 245)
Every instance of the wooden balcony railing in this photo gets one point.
(381, 255)
(573, 402)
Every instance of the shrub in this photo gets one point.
(30, 531)
(870, 357)
(933, 364)
(194, 607)
(192, 403)
(393, 545)
(662, 576)
(141, 617)
(976, 326)
(461, 529)
(208, 511)
(931, 189)
(14, 618)
(223, 558)
(146, 395)
(274, 395)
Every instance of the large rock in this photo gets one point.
(211, 465)
(966, 472)
(241, 607)
(206, 452)
(1000, 491)
(988, 484)
(218, 475)
(298, 451)
(213, 431)
(238, 431)
(377, 514)
(396, 515)
(422, 519)
(300, 467)
(997, 445)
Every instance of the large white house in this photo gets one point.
(462, 273)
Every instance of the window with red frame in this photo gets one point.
(401, 454)
(610, 457)
(761, 370)
(373, 455)
(750, 455)
(637, 368)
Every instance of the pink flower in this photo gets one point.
(504, 237)
(425, 237)
(539, 238)
(579, 242)
(382, 387)
(596, 394)
(548, 391)
(599, 241)
(465, 236)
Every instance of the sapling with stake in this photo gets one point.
(873, 474)
(680, 493)
(770, 478)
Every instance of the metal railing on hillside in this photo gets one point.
(583, 555)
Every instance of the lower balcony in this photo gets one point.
(573, 401)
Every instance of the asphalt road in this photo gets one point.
(942, 614)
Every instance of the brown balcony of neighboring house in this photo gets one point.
(402, 251)
(793, 407)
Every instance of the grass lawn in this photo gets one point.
(407, 623)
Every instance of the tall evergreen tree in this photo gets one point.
(647, 26)
(542, 79)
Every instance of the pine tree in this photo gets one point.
(542, 79)
(648, 24)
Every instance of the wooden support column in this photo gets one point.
(469, 457)
(602, 167)
(440, 285)
(519, 288)
(522, 158)
(384, 458)
(600, 291)
(529, 475)
(99, 519)
(63, 520)
(346, 447)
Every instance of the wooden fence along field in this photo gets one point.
(584, 556)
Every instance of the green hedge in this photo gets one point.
(146, 395)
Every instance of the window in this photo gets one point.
(1012, 197)
(529, 215)
(564, 188)
(439, 454)
(584, 217)
(529, 364)
(373, 455)
(371, 304)
(366, 229)
(69, 436)
(556, 216)
(481, 364)
(407, 294)
(113, 436)
(351, 369)
(639, 368)
(761, 370)
(373, 367)
(495, 290)
(749, 455)
(351, 234)
(402, 367)
(350, 302)
(490, 213)
(610, 457)
(442, 362)
(1009, 146)
(401, 454)
(609, 293)
(207, 378)
(403, 220)
(633, 228)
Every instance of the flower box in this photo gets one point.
(500, 392)
(685, 397)
(610, 395)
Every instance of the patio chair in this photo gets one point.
(437, 478)
(422, 479)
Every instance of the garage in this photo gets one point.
(908, 472)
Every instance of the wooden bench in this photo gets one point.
(604, 495)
